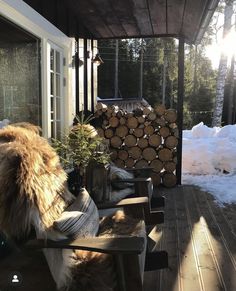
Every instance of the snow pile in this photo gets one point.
(209, 160)
(209, 150)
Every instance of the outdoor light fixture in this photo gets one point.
(97, 60)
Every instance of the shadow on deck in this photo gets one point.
(200, 238)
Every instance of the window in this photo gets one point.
(56, 90)
(20, 87)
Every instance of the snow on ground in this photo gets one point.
(209, 160)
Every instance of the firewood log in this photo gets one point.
(138, 112)
(141, 164)
(156, 179)
(130, 140)
(116, 141)
(123, 155)
(152, 116)
(141, 119)
(138, 132)
(108, 132)
(149, 154)
(160, 109)
(164, 131)
(171, 142)
(170, 115)
(135, 152)
(122, 120)
(114, 121)
(169, 179)
(160, 121)
(129, 163)
(149, 130)
(101, 106)
(165, 155)
(154, 140)
(142, 142)
(170, 167)
(132, 122)
(157, 165)
(122, 131)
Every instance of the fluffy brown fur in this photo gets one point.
(33, 192)
(30, 176)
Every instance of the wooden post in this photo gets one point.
(116, 69)
(180, 107)
(77, 77)
(85, 75)
(141, 72)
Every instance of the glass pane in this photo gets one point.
(58, 85)
(58, 63)
(20, 94)
(58, 124)
(52, 83)
(58, 111)
(52, 59)
(52, 129)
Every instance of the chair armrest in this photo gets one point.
(117, 245)
(134, 180)
(127, 202)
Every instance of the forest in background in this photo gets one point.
(147, 68)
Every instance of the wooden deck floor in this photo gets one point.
(200, 238)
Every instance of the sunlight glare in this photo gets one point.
(226, 46)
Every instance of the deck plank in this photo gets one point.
(200, 238)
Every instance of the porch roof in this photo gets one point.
(100, 19)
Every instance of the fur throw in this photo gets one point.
(33, 193)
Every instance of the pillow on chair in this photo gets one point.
(81, 218)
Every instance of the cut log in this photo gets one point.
(129, 163)
(156, 179)
(122, 120)
(149, 154)
(160, 109)
(169, 179)
(130, 140)
(173, 125)
(170, 167)
(100, 131)
(105, 122)
(113, 154)
(119, 163)
(114, 121)
(108, 133)
(160, 121)
(138, 132)
(165, 155)
(147, 110)
(122, 131)
(149, 130)
(154, 140)
(141, 164)
(116, 141)
(142, 142)
(119, 113)
(157, 165)
(152, 116)
(129, 114)
(164, 131)
(132, 122)
(135, 152)
(170, 115)
(141, 119)
(171, 142)
(123, 155)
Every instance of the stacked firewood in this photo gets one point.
(146, 137)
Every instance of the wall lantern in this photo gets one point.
(97, 60)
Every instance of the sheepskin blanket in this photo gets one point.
(34, 194)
